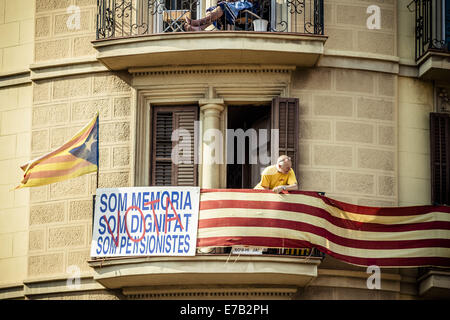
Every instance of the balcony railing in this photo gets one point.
(432, 31)
(129, 18)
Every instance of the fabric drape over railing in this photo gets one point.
(386, 237)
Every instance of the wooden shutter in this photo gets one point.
(186, 173)
(440, 158)
(285, 118)
(447, 23)
(164, 172)
(162, 147)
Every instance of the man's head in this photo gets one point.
(284, 164)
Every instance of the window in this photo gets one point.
(165, 120)
(440, 159)
(281, 115)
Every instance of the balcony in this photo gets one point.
(432, 39)
(206, 269)
(137, 33)
(434, 283)
(213, 266)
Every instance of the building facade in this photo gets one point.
(349, 84)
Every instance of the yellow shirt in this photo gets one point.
(271, 178)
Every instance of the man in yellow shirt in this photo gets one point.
(279, 177)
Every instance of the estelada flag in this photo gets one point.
(415, 236)
(76, 157)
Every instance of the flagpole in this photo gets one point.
(98, 169)
(98, 148)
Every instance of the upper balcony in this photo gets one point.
(433, 38)
(141, 33)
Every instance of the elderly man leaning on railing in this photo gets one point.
(279, 177)
(231, 9)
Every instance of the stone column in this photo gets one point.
(212, 142)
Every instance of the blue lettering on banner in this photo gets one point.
(122, 202)
(103, 205)
(136, 199)
(145, 200)
(188, 202)
(162, 244)
(157, 222)
(186, 247)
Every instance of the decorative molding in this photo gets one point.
(211, 35)
(210, 293)
(356, 274)
(189, 84)
(443, 100)
(59, 285)
(15, 78)
(359, 61)
(65, 68)
(193, 70)
(12, 291)
(173, 94)
(407, 70)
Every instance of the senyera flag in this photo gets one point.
(386, 237)
(74, 158)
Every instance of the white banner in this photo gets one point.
(145, 221)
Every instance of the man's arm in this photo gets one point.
(290, 187)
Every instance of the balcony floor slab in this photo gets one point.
(220, 47)
(205, 270)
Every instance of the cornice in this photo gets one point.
(193, 70)
(206, 292)
(330, 59)
(15, 78)
(67, 67)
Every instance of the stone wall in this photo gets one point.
(16, 35)
(57, 33)
(61, 213)
(84, 295)
(15, 124)
(415, 104)
(346, 27)
(60, 220)
(348, 134)
(16, 53)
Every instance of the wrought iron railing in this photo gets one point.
(291, 252)
(128, 18)
(432, 32)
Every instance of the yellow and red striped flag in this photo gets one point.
(386, 237)
(74, 158)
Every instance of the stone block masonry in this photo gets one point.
(346, 26)
(61, 213)
(15, 145)
(55, 38)
(348, 137)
